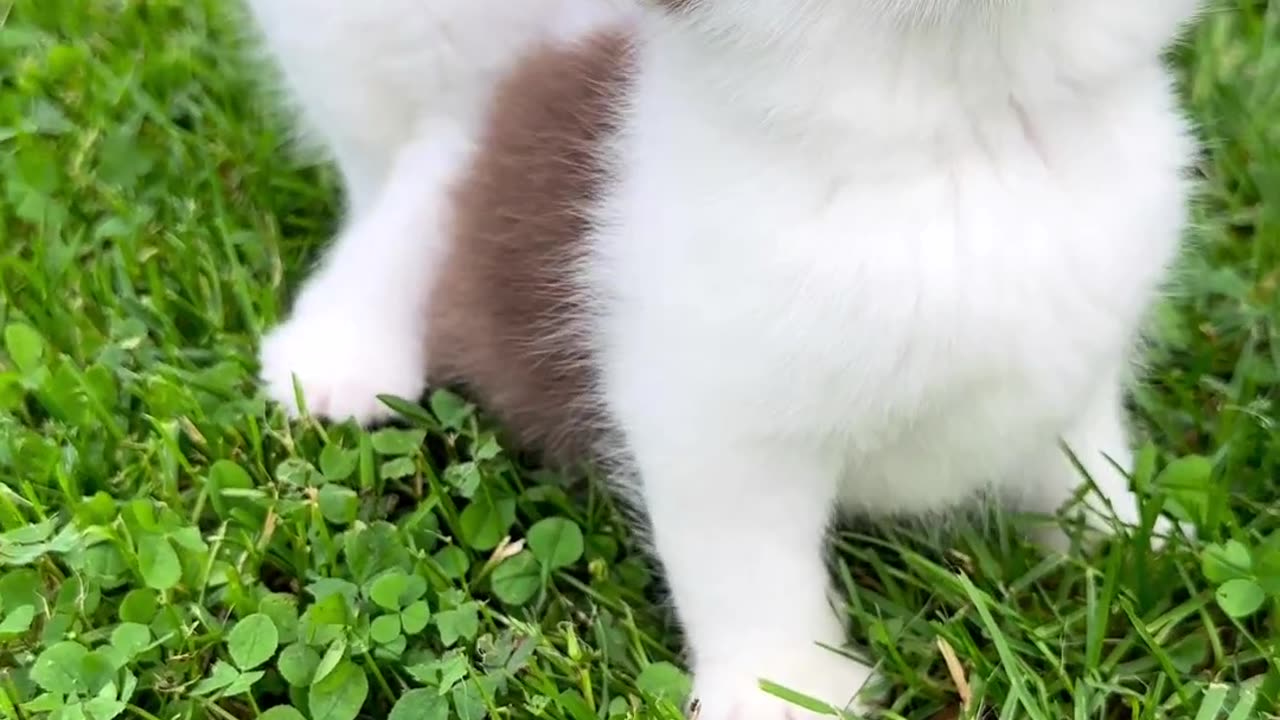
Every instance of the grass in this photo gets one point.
(172, 548)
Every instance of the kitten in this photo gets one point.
(770, 261)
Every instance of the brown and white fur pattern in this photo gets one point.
(787, 258)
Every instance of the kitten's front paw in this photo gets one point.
(342, 364)
(731, 690)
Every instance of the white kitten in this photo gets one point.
(841, 255)
(904, 249)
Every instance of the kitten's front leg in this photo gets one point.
(358, 328)
(739, 528)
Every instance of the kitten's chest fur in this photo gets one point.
(971, 288)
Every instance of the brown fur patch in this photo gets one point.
(676, 6)
(508, 322)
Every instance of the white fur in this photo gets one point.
(394, 90)
(884, 265)
(872, 255)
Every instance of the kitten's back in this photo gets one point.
(508, 317)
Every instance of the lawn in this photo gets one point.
(173, 548)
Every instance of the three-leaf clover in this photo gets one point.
(402, 609)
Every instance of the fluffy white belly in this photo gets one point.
(932, 323)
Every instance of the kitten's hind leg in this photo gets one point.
(1099, 442)
(358, 327)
